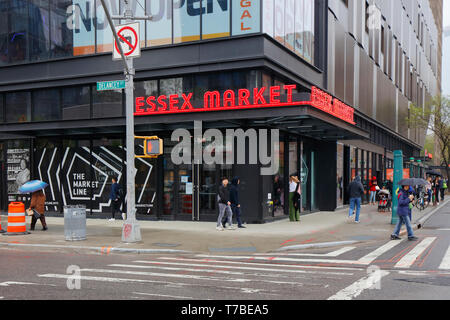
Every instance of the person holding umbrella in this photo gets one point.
(403, 214)
(37, 205)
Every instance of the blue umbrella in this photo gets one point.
(32, 186)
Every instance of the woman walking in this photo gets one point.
(38, 204)
(293, 213)
(403, 212)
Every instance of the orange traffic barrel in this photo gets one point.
(16, 219)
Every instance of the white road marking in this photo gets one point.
(280, 259)
(444, 229)
(163, 295)
(368, 259)
(2, 297)
(445, 264)
(263, 264)
(329, 254)
(188, 276)
(359, 286)
(9, 283)
(241, 268)
(166, 283)
(408, 260)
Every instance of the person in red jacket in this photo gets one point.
(373, 191)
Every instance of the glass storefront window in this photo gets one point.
(289, 24)
(278, 185)
(2, 109)
(216, 19)
(279, 20)
(104, 34)
(186, 20)
(46, 105)
(19, 106)
(146, 88)
(18, 35)
(107, 104)
(268, 21)
(299, 29)
(83, 28)
(246, 17)
(171, 86)
(76, 103)
(39, 35)
(159, 29)
(61, 42)
(308, 36)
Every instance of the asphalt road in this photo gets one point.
(373, 270)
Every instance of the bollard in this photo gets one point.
(16, 219)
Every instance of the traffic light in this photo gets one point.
(153, 147)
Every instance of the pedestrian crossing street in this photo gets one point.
(268, 275)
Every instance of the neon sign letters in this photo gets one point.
(272, 97)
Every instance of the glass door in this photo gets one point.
(185, 190)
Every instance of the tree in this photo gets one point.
(436, 118)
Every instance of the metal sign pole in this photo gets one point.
(131, 229)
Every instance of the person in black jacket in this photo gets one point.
(223, 198)
(355, 190)
(234, 199)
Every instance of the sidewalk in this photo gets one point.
(202, 237)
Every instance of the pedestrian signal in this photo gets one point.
(153, 147)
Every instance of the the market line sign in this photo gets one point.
(272, 97)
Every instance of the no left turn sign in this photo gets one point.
(128, 35)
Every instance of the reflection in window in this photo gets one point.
(18, 31)
(279, 20)
(19, 107)
(107, 104)
(159, 29)
(76, 103)
(46, 105)
(289, 24)
(39, 29)
(186, 21)
(61, 36)
(216, 19)
(171, 86)
(299, 20)
(2, 109)
(104, 34)
(146, 88)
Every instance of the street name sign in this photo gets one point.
(128, 35)
(111, 85)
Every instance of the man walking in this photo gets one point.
(115, 197)
(355, 190)
(234, 199)
(224, 205)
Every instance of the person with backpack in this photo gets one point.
(116, 197)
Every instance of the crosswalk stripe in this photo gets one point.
(162, 295)
(329, 254)
(295, 266)
(409, 259)
(445, 264)
(188, 276)
(359, 286)
(280, 259)
(127, 280)
(369, 258)
(240, 268)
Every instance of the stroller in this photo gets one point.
(385, 201)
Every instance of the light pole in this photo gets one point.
(131, 230)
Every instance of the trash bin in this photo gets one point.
(75, 223)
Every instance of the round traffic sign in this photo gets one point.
(131, 46)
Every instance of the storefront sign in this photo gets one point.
(243, 99)
(325, 102)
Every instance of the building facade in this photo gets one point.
(318, 59)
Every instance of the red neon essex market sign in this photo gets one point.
(243, 99)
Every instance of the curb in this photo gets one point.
(102, 250)
(317, 245)
(418, 224)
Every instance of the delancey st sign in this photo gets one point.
(111, 85)
(243, 99)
